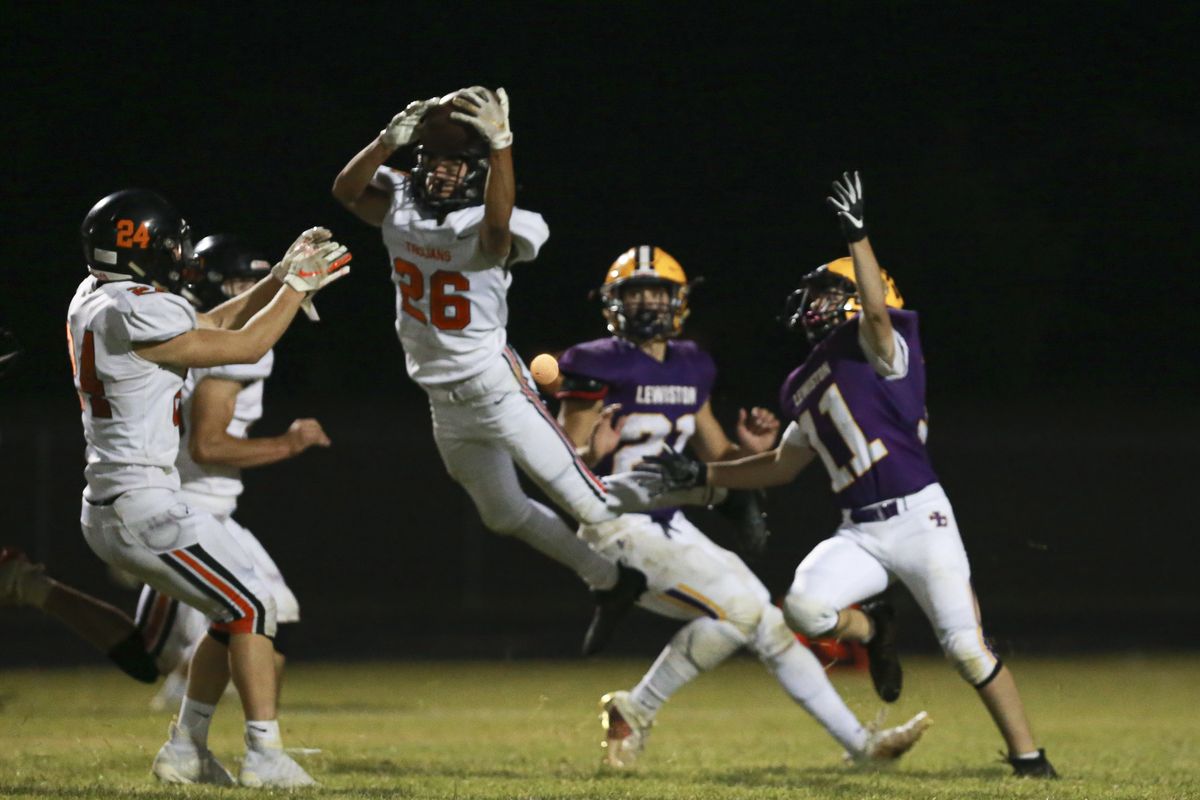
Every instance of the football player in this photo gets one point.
(132, 337)
(219, 406)
(858, 403)
(453, 234)
(635, 394)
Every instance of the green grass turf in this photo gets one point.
(1115, 726)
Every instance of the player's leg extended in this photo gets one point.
(486, 471)
(100, 624)
(689, 577)
(928, 556)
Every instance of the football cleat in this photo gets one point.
(625, 732)
(1039, 767)
(884, 663)
(272, 768)
(20, 578)
(889, 744)
(611, 607)
(180, 760)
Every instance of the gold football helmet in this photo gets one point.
(642, 266)
(828, 296)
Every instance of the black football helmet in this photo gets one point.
(828, 296)
(135, 234)
(218, 259)
(440, 140)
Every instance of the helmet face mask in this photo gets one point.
(137, 235)
(450, 163)
(645, 295)
(224, 267)
(828, 296)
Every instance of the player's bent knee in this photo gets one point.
(772, 636)
(971, 656)
(809, 616)
(744, 613)
(707, 642)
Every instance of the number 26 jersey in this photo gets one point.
(451, 303)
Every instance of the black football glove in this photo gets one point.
(847, 203)
(671, 471)
(743, 507)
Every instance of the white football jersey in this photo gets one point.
(451, 304)
(218, 480)
(131, 406)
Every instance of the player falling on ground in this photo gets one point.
(453, 233)
(132, 340)
(629, 396)
(858, 402)
(213, 450)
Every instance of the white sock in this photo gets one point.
(1029, 756)
(194, 719)
(801, 676)
(263, 734)
(669, 673)
(699, 646)
(545, 532)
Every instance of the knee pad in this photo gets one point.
(971, 656)
(772, 636)
(809, 616)
(706, 642)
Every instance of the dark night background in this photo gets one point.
(1030, 180)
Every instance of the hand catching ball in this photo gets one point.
(544, 369)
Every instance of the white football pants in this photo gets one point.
(485, 425)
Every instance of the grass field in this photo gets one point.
(1116, 727)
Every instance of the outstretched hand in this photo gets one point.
(757, 429)
(847, 203)
(670, 471)
(401, 130)
(486, 112)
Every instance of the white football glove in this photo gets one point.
(313, 262)
(399, 131)
(486, 112)
(634, 493)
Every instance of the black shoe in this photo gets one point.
(611, 607)
(884, 663)
(1039, 767)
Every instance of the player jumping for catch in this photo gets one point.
(453, 233)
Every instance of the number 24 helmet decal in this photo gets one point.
(137, 235)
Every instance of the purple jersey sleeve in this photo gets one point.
(868, 430)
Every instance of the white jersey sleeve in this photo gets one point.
(130, 405)
(218, 484)
(451, 304)
(898, 368)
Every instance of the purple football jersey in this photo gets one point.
(868, 430)
(659, 400)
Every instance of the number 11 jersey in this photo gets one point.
(869, 430)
